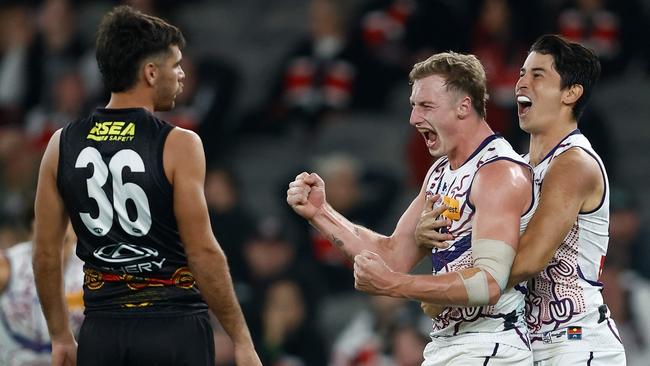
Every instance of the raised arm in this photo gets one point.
(573, 183)
(501, 193)
(185, 165)
(306, 195)
(50, 225)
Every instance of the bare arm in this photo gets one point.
(50, 226)
(573, 183)
(306, 195)
(501, 193)
(184, 159)
(5, 271)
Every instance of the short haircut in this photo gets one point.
(576, 65)
(127, 37)
(462, 73)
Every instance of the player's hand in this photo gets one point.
(431, 310)
(306, 194)
(426, 232)
(64, 352)
(372, 275)
(245, 355)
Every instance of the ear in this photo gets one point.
(150, 73)
(464, 108)
(572, 94)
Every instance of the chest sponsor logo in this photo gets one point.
(112, 131)
(453, 212)
(125, 254)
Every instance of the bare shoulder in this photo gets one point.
(183, 151)
(500, 182)
(575, 162)
(51, 156)
(504, 173)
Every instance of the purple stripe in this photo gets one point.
(602, 172)
(593, 283)
(609, 324)
(523, 338)
(591, 357)
(481, 146)
(532, 200)
(550, 153)
(494, 353)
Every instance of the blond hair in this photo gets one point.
(463, 74)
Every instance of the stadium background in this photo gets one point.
(278, 87)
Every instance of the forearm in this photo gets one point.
(48, 275)
(349, 238)
(212, 275)
(447, 289)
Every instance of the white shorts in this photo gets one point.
(479, 354)
(585, 358)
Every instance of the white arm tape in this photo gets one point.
(494, 257)
(477, 289)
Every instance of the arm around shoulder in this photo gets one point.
(573, 183)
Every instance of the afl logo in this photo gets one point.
(123, 252)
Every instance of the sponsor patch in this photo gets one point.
(574, 333)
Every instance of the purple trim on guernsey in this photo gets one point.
(602, 173)
(591, 357)
(593, 283)
(480, 147)
(550, 153)
(609, 324)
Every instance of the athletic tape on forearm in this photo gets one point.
(494, 257)
(477, 289)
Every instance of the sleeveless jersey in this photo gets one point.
(503, 322)
(564, 306)
(24, 339)
(114, 188)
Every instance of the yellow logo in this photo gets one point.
(453, 212)
(112, 131)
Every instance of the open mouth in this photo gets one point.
(430, 137)
(523, 105)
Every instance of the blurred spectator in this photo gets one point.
(17, 184)
(626, 293)
(361, 194)
(370, 335)
(407, 343)
(209, 91)
(498, 40)
(388, 36)
(67, 105)
(610, 28)
(319, 76)
(269, 255)
(627, 236)
(288, 336)
(17, 31)
(231, 222)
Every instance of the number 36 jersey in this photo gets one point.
(114, 188)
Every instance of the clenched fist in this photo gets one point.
(306, 194)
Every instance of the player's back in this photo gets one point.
(113, 183)
(504, 321)
(565, 308)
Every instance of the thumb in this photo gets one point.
(429, 201)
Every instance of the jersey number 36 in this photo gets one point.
(122, 192)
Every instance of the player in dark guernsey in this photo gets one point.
(132, 186)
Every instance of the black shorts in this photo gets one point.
(138, 341)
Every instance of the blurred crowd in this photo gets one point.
(330, 97)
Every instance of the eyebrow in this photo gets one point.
(533, 69)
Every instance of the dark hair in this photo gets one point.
(126, 37)
(576, 65)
